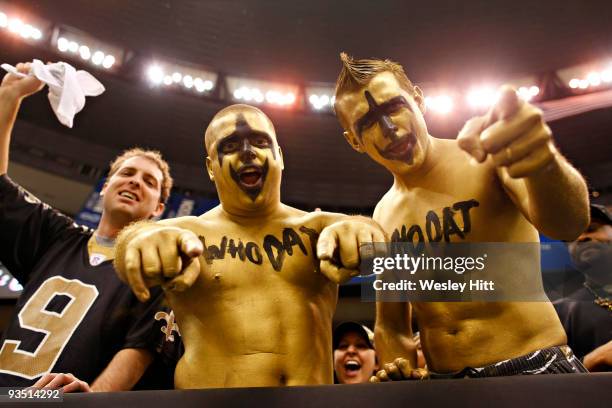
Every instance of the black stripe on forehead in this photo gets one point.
(370, 115)
(371, 102)
(378, 113)
(243, 131)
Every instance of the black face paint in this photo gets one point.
(253, 191)
(381, 114)
(243, 141)
(243, 137)
(400, 148)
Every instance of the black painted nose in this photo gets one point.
(246, 152)
(388, 127)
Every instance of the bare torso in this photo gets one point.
(260, 313)
(455, 335)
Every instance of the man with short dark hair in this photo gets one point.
(586, 314)
(74, 315)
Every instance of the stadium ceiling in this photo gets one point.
(300, 40)
(448, 42)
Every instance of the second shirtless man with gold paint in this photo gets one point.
(253, 282)
(517, 184)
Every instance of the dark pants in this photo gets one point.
(553, 360)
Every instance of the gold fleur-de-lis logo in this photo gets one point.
(170, 324)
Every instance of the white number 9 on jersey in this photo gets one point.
(56, 327)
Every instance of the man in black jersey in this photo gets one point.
(74, 315)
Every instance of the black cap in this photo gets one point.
(601, 213)
(346, 327)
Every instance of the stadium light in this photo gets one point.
(77, 44)
(155, 74)
(574, 83)
(482, 97)
(587, 76)
(594, 78)
(320, 97)
(260, 92)
(440, 104)
(26, 29)
(527, 93)
(181, 76)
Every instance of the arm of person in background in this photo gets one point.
(551, 193)
(121, 374)
(12, 91)
(395, 346)
(27, 224)
(124, 370)
(599, 359)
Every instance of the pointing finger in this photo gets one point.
(133, 274)
(469, 138)
(190, 244)
(186, 279)
(508, 103)
(336, 273)
(326, 244)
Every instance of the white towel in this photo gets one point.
(67, 87)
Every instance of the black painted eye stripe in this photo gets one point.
(255, 139)
(376, 112)
(243, 132)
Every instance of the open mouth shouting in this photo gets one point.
(352, 367)
(401, 149)
(250, 178)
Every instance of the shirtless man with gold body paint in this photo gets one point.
(253, 282)
(515, 184)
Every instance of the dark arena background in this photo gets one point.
(169, 66)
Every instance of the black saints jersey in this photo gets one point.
(71, 317)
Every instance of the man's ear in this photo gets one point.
(209, 169)
(159, 210)
(353, 141)
(103, 190)
(419, 99)
(280, 157)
